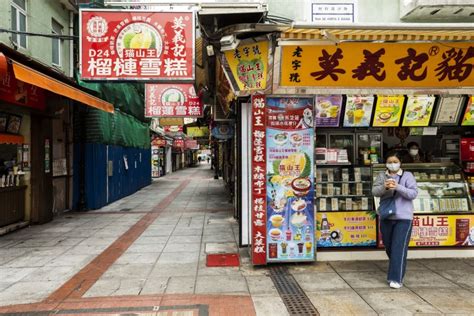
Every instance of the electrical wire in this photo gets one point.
(58, 36)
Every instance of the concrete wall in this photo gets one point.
(39, 16)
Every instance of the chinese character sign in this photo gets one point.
(137, 45)
(378, 65)
(258, 183)
(172, 100)
(388, 111)
(249, 65)
(290, 177)
(442, 230)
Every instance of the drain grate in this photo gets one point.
(291, 293)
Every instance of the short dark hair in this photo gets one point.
(394, 153)
(411, 144)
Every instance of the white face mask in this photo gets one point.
(413, 152)
(394, 167)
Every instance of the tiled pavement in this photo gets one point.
(146, 254)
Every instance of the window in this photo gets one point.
(56, 29)
(18, 9)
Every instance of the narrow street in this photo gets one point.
(146, 255)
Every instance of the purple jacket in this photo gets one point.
(406, 192)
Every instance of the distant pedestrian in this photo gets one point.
(199, 159)
(208, 159)
(400, 186)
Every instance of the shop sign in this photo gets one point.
(358, 110)
(138, 45)
(388, 111)
(248, 64)
(334, 11)
(449, 110)
(258, 185)
(176, 100)
(20, 93)
(195, 131)
(59, 167)
(159, 142)
(328, 110)
(171, 121)
(378, 65)
(418, 110)
(223, 132)
(468, 119)
(442, 230)
(173, 129)
(178, 143)
(191, 144)
(290, 174)
(346, 229)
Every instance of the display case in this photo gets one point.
(442, 188)
(369, 148)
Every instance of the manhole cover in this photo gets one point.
(223, 260)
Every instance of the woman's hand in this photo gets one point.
(390, 184)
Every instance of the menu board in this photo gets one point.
(346, 229)
(388, 111)
(358, 111)
(418, 111)
(449, 110)
(468, 119)
(290, 189)
(328, 110)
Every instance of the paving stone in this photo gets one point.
(446, 264)
(62, 273)
(460, 277)
(138, 258)
(29, 261)
(184, 239)
(310, 267)
(269, 305)
(340, 302)
(321, 281)
(152, 240)
(174, 269)
(115, 286)
(180, 285)
(365, 280)
(123, 271)
(412, 265)
(221, 285)
(155, 285)
(70, 260)
(354, 266)
(28, 291)
(180, 257)
(221, 248)
(144, 248)
(14, 274)
(427, 279)
(261, 285)
(448, 300)
(182, 247)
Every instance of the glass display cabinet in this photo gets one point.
(369, 148)
(442, 188)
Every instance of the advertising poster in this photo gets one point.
(468, 119)
(328, 110)
(155, 162)
(172, 100)
(258, 182)
(346, 229)
(418, 111)
(388, 111)
(138, 45)
(449, 110)
(358, 110)
(248, 64)
(290, 188)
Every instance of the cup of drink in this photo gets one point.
(283, 247)
(308, 246)
(300, 247)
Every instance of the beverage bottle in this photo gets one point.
(307, 234)
(288, 234)
(325, 228)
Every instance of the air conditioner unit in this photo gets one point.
(437, 10)
(229, 42)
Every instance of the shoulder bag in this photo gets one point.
(387, 206)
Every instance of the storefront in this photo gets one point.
(158, 158)
(355, 101)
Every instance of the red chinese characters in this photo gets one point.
(137, 45)
(177, 100)
(259, 204)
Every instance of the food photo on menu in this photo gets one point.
(358, 111)
(328, 110)
(418, 111)
(388, 111)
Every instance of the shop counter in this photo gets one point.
(12, 204)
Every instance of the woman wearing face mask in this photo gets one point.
(414, 153)
(396, 230)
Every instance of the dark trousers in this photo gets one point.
(396, 236)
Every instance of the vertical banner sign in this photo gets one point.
(248, 64)
(259, 192)
(138, 45)
(172, 100)
(290, 189)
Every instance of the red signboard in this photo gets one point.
(173, 129)
(160, 142)
(191, 144)
(178, 143)
(176, 100)
(20, 93)
(259, 192)
(139, 45)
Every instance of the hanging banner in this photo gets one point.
(468, 119)
(20, 93)
(172, 100)
(173, 129)
(258, 186)
(328, 110)
(248, 64)
(191, 144)
(378, 65)
(178, 143)
(171, 121)
(290, 189)
(158, 142)
(136, 45)
(388, 111)
(196, 131)
(346, 229)
(418, 111)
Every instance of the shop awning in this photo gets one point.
(11, 139)
(36, 78)
(377, 34)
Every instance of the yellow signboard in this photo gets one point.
(197, 131)
(248, 64)
(418, 111)
(378, 65)
(468, 119)
(171, 121)
(388, 111)
(442, 230)
(346, 229)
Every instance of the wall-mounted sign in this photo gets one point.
(138, 45)
(191, 144)
(328, 110)
(158, 142)
(171, 121)
(173, 129)
(223, 132)
(172, 100)
(196, 131)
(388, 111)
(334, 11)
(449, 110)
(418, 110)
(248, 64)
(358, 110)
(378, 65)
(178, 143)
(468, 119)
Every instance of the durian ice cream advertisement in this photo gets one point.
(289, 181)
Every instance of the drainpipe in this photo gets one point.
(71, 44)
